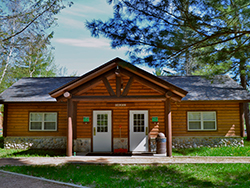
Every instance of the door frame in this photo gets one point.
(92, 127)
(129, 126)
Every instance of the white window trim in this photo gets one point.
(42, 121)
(202, 126)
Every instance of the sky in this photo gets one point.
(75, 49)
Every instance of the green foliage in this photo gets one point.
(185, 36)
(24, 39)
(205, 37)
(173, 175)
(159, 72)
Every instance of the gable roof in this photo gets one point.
(200, 88)
(113, 64)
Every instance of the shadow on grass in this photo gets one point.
(115, 175)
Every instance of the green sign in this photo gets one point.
(85, 119)
(154, 119)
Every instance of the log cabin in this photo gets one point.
(120, 106)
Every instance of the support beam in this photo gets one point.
(70, 128)
(92, 83)
(127, 88)
(118, 99)
(118, 86)
(5, 116)
(108, 87)
(74, 122)
(144, 81)
(168, 126)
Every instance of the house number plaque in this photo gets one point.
(114, 104)
(120, 105)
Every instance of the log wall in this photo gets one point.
(120, 116)
(228, 118)
(18, 118)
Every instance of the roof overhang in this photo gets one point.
(129, 68)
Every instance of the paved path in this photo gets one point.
(11, 179)
(119, 160)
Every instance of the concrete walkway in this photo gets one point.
(12, 179)
(119, 160)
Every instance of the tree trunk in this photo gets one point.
(246, 113)
(245, 106)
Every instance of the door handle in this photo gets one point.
(94, 131)
(146, 131)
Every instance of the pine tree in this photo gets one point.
(212, 34)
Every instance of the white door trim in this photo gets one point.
(138, 141)
(102, 141)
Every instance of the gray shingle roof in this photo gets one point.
(34, 89)
(204, 89)
(198, 87)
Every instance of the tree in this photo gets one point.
(24, 35)
(159, 33)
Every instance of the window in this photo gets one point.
(43, 121)
(139, 122)
(102, 122)
(201, 121)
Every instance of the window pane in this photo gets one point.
(36, 125)
(194, 116)
(50, 117)
(49, 125)
(194, 125)
(36, 116)
(209, 125)
(208, 116)
(138, 122)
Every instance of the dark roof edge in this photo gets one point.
(151, 75)
(238, 101)
(86, 74)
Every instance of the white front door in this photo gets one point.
(138, 130)
(102, 131)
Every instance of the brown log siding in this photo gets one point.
(18, 118)
(120, 116)
(135, 89)
(228, 118)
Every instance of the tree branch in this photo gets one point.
(17, 33)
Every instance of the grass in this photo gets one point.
(7, 153)
(220, 151)
(175, 175)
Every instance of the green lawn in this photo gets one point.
(220, 151)
(175, 175)
(7, 153)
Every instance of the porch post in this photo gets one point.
(70, 127)
(168, 126)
